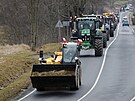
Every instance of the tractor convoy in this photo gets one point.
(63, 69)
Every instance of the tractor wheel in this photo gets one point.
(104, 40)
(108, 36)
(98, 47)
(112, 33)
(40, 89)
(80, 76)
(77, 80)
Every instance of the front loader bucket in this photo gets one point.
(53, 75)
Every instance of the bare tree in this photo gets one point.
(33, 21)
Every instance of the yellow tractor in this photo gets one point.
(61, 70)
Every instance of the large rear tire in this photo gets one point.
(98, 47)
(40, 89)
(104, 40)
(112, 33)
(108, 35)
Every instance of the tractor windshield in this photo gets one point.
(69, 53)
(86, 24)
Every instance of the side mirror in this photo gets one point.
(76, 59)
(52, 56)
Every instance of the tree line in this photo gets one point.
(33, 22)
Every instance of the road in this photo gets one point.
(115, 70)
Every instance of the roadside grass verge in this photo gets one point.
(14, 88)
(51, 47)
(15, 72)
(15, 68)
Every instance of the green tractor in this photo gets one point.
(99, 18)
(88, 30)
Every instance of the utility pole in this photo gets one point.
(59, 25)
(34, 22)
(67, 27)
(59, 35)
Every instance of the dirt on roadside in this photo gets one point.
(15, 68)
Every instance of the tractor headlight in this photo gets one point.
(82, 34)
(88, 34)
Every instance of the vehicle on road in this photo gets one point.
(101, 24)
(61, 71)
(88, 30)
(111, 20)
(125, 23)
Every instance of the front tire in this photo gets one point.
(40, 89)
(77, 81)
(80, 76)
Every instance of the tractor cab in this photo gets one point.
(70, 52)
(87, 26)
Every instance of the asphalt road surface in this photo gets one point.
(107, 78)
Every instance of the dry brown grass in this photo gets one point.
(15, 61)
(15, 66)
(13, 89)
(51, 47)
(13, 49)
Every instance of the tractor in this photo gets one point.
(111, 20)
(88, 30)
(101, 24)
(60, 71)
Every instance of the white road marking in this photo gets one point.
(132, 99)
(102, 67)
(132, 29)
(27, 95)
(125, 33)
